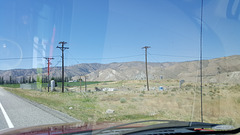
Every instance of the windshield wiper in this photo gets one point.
(171, 127)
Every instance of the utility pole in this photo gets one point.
(49, 63)
(62, 48)
(146, 47)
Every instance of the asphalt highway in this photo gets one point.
(16, 112)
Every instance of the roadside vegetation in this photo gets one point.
(10, 85)
(59, 84)
(131, 102)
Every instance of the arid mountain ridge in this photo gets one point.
(224, 69)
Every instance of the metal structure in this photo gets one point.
(49, 63)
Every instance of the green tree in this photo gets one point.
(10, 79)
(29, 79)
(1, 80)
(33, 80)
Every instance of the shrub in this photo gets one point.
(134, 99)
(141, 95)
(189, 85)
(97, 89)
(238, 100)
(123, 100)
(165, 92)
(211, 93)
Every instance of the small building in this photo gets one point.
(108, 89)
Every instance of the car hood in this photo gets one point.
(64, 128)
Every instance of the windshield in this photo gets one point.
(119, 61)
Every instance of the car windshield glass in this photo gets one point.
(119, 61)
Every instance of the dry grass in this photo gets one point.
(221, 103)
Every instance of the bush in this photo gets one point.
(211, 93)
(174, 89)
(97, 89)
(123, 100)
(134, 99)
(238, 100)
(141, 95)
(165, 92)
(189, 85)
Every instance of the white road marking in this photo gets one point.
(10, 125)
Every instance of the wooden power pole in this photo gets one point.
(146, 47)
(62, 48)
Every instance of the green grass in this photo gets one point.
(71, 84)
(10, 85)
(129, 117)
(67, 84)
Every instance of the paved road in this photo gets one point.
(16, 112)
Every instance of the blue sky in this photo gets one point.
(106, 31)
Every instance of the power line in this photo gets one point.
(153, 58)
(179, 56)
(169, 74)
(73, 58)
(21, 58)
(25, 58)
(107, 58)
(57, 63)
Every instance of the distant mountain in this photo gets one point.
(225, 69)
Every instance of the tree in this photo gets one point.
(29, 79)
(10, 79)
(33, 80)
(66, 79)
(1, 81)
(24, 80)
